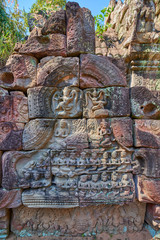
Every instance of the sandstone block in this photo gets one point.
(26, 169)
(42, 46)
(14, 108)
(56, 23)
(109, 133)
(148, 189)
(153, 216)
(79, 221)
(4, 223)
(146, 162)
(10, 199)
(11, 136)
(106, 102)
(144, 104)
(19, 73)
(58, 72)
(98, 71)
(80, 30)
(55, 134)
(47, 102)
(147, 133)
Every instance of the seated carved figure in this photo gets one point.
(62, 129)
(105, 132)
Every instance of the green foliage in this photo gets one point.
(99, 21)
(47, 5)
(12, 28)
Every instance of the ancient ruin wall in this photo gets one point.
(80, 135)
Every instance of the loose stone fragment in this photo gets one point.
(42, 46)
(58, 72)
(11, 136)
(106, 102)
(55, 134)
(153, 216)
(47, 102)
(98, 71)
(144, 104)
(26, 169)
(147, 133)
(78, 221)
(109, 133)
(10, 199)
(148, 189)
(146, 162)
(56, 23)
(14, 108)
(80, 30)
(19, 73)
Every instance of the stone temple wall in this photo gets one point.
(79, 132)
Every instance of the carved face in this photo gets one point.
(114, 154)
(114, 177)
(123, 154)
(83, 178)
(104, 177)
(63, 124)
(105, 155)
(95, 177)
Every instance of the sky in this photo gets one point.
(94, 5)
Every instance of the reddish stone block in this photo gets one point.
(10, 199)
(42, 46)
(10, 136)
(99, 71)
(153, 216)
(147, 133)
(144, 104)
(14, 108)
(148, 189)
(146, 162)
(19, 73)
(56, 23)
(58, 72)
(80, 30)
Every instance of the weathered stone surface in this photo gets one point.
(56, 23)
(98, 71)
(106, 102)
(109, 133)
(146, 162)
(4, 223)
(147, 133)
(14, 108)
(153, 216)
(79, 221)
(26, 169)
(80, 30)
(10, 199)
(36, 19)
(20, 72)
(42, 46)
(55, 134)
(11, 136)
(58, 72)
(144, 104)
(148, 189)
(83, 178)
(47, 102)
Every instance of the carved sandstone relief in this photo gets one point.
(106, 102)
(82, 178)
(110, 133)
(58, 72)
(153, 216)
(98, 71)
(55, 134)
(11, 136)
(146, 162)
(26, 169)
(14, 108)
(4, 223)
(147, 133)
(95, 219)
(48, 102)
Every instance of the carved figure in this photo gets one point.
(62, 129)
